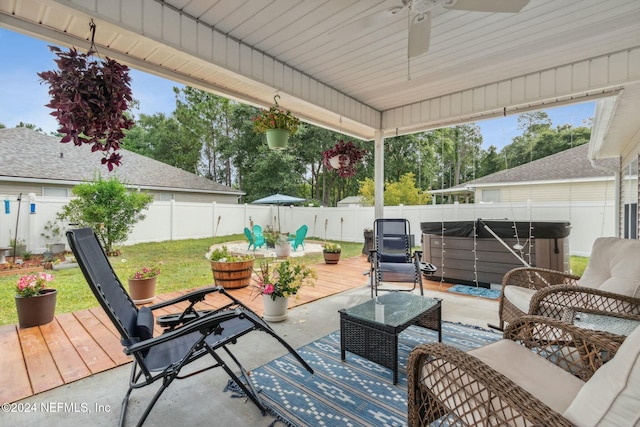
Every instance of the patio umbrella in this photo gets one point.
(278, 199)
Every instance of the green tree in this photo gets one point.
(490, 162)
(161, 138)
(29, 126)
(403, 191)
(207, 118)
(107, 207)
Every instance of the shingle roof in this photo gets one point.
(565, 165)
(25, 153)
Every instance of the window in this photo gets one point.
(166, 197)
(490, 196)
(55, 192)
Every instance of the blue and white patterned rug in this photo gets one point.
(475, 291)
(353, 393)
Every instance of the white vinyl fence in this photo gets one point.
(177, 220)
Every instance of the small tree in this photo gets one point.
(107, 207)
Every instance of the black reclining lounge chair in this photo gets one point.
(391, 258)
(188, 336)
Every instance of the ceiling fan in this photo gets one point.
(419, 17)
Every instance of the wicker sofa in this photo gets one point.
(610, 284)
(543, 373)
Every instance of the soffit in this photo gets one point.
(360, 73)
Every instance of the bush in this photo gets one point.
(107, 207)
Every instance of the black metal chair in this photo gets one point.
(391, 257)
(188, 336)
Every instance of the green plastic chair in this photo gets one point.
(253, 240)
(298, 239)
(258, 236)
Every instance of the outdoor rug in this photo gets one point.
(475, 291)
(352, 393)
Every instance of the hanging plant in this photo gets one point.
(276, 117)
(90, 99)
(343, 157)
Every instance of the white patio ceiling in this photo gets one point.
(333, 73)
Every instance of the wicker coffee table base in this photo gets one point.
(379, 342)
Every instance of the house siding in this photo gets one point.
(557, 192)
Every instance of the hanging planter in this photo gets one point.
(90, 99)
(343, 157)
(277, 139)
(278, 124)
(335, 161)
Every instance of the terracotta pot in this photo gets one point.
(331, 257)
(142, 291)
(232, 275)
(36, 310)
(274, 311)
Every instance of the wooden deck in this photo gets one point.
(83, 343)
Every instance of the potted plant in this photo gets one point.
(53, 232)
(343, 157)
(35, 303)
(142, 284)
(331, 253)
(270, 237)
(277, 123)
(230, 271)
(276, 283)
(91, 100)
(18, 247)
(282, 246)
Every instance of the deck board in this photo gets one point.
(15, 384)
(91, 353)
(70, 365)
(76, 345)
(42, 369)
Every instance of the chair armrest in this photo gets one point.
(537, 278)
(546, 301)
(203, 324)
(444, 381)
(195, 296)
(578, 351)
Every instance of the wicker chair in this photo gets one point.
(610, 284)
(543, 373)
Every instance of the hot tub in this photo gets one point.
(547, 248)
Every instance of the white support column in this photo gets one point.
(378, 175)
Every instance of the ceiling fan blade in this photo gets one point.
(419, 35)
(496, 6)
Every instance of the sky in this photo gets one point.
(23, 96)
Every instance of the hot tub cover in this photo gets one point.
(502, 228)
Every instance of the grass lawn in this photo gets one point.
(183, 266)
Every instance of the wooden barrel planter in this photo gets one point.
(232, 275)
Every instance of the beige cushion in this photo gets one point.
(612, 396)
(520, 297)
(551, 384)
(614, 266)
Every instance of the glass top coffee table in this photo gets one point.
(615, 325)
(371, 329)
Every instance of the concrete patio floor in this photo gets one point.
(199, 400)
